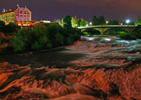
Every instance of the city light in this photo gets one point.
(107, 22)
(128, 21)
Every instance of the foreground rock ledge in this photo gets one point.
(61, 84)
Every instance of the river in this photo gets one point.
(52, 58)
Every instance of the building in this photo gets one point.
(45, 21)
(21, 16)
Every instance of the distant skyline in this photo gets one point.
(57, 9)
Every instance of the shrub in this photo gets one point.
(115, 31)
(39, 38)
(91, 32)
(52, 32)
(85, 33)
(36, 46)
(22, 40)
(2, 26)
(59, 38)
(10, 28)
(44, 37)
(0, 41)
(73, 35)
(137, 32)
(127, 36)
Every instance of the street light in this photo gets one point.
(107, 22)
(127, 21)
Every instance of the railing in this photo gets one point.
(106, 26)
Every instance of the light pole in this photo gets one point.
(90, 23)
(127, 22)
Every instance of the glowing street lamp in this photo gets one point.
(107, 22)
(127, 21)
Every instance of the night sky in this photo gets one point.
(57, 9)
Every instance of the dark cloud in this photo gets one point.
(117, 8)
(124, 5)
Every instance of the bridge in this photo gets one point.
(103, 28)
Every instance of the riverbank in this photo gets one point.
(108, 70)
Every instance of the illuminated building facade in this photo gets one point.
(21, 16)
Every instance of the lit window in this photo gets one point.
(17, 14)
(28, 15)
(20, 11)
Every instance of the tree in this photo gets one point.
(67, 22)
(113, 22)
(137, 32)
(59, 21)
(2, 26)
(11, 28)
(79, 20)
(138, 22)
(89, 23)
(101, 20)
(98, 21)
(21, 40)
(39, 38)
(83, 22)
(55, 20)
(95, 20)
(42, 37)
(62, 22)
(74, 22)
(110, 22)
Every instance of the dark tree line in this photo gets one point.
(46, 37)
(113, 22)
(101, 21)
(98, 20)
(10, 28)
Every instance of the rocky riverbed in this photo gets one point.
(110, 70)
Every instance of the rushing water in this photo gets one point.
(52, 58)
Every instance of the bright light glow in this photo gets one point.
(107, 39)
(128, 21)
(107, 22)
(90, 23)
(45, 21)
(86, 24)
(90, 38)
